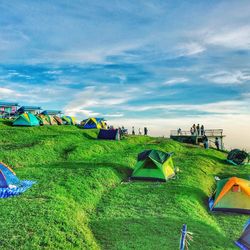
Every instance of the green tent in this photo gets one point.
(26, 119)
(154, 164)
(69, 120)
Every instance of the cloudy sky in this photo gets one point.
(164, 64)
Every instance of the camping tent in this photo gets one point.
(10, 185)
(244, 241)
(58, 120)
(52, 120)
(26, 119)
(231, 195)
(154, 164)
(68, 120)
(43, 119)
(92, 123)
(238, 157)
(109, 134)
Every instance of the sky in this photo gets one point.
(161, 64)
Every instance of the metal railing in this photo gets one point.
(207, 132)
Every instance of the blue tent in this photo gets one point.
(244, 241)
(93, 123)
(109, 134)
(10, 185)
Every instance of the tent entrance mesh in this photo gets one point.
(149, 164)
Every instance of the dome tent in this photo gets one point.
(109, 134)
(92, 123)
(244, 241)
(69, 120)
(154, 165)
(238, 157)
(26, 119)
(231, 195)
(10, 185)
(52, 120)
(43, 119)
(58, 120)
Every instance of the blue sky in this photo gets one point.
(128, 59)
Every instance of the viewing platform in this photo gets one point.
(187, 137)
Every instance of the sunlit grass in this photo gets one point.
(82, 199)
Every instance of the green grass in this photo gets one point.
(83, 201)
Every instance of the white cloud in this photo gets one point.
(100, 97)
(234, 38)
(54, 72)
(79, 112)
(228, 37)
(190, 49)
(226, 77)
(7, 93)
(113, 115)
(246, 95)
(225, 107)
(176, 80)
(25, 94)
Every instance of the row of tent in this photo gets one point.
(29, 119)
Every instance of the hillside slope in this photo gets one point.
(82, 200)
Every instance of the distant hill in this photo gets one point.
(82, 199)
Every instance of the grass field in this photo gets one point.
(82, 199)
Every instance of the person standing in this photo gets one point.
(202, 130)
(120, 132)
(139, 131)
(133, 130)
(194, 129)
(205, 142)
(179, 131)
(217, 143)
(145, 131)
(198, 129)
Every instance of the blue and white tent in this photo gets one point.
(10, 185)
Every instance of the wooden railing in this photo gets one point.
(208, 132)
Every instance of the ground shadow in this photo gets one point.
(87, 167)
(7, 122)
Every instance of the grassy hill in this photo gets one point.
(82, 200)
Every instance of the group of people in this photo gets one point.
(197, 130)
(139, 131)
(206, 144)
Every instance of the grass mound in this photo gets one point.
(82, 200)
